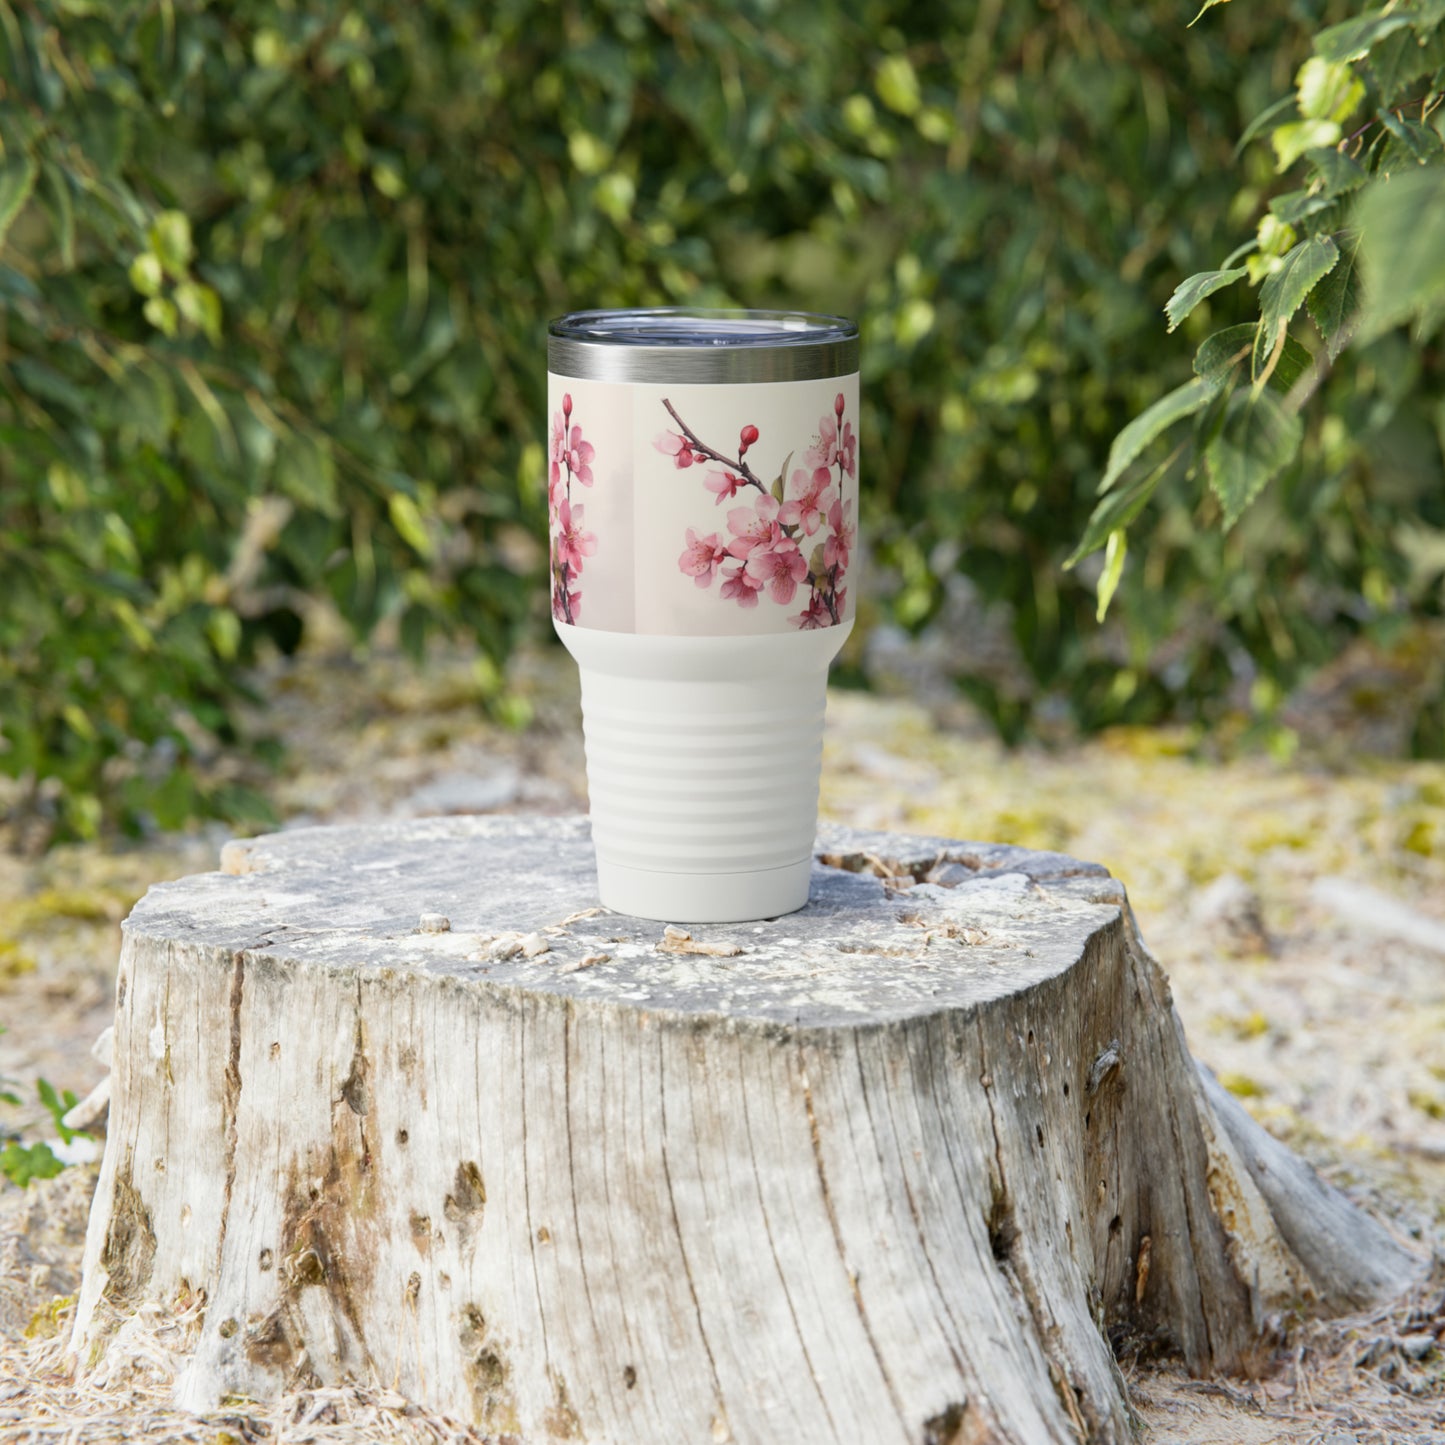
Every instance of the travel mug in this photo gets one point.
(703, 500)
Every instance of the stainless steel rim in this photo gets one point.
(673, 345)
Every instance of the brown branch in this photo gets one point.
(696, 445)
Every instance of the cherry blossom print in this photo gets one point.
(579, 457)
(764, 553)
(572, 456)
(738, 586)
(814, 615)
(811, 497)
(558, 451)
(848, 450)
(839, 546)
(674, 446)
(573, 544)
(701, 557)
(725, 484)
(757, 527)
(779, 567)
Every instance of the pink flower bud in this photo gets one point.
(838, 404)
(699, 456)
(748, 436)
(567, 403)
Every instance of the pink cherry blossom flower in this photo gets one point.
(840, 542)
(810, 500)
(572, 543)
(579, 457)
(848, 450)
(701, 557)
(755, 527)
(824, 451)
(840, 601)
(674, 446)
(779, 567)
(737, 584)
(725, 484)
(566, 605)
(814, 615)
(558, 450)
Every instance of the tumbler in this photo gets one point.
(703, 503)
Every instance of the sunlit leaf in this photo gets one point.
(1116, 550)
(1191, 292)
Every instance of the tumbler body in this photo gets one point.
(702, 475)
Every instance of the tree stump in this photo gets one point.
(401, 1103)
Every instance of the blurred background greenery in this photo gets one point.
(272, 298)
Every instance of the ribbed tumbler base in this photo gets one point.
(703, 756)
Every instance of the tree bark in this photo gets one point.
(909, 1166)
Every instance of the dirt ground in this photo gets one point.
(1299, 908)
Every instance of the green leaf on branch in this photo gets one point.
(1291, 141)
(1403, 58)
(1182, 402)
(1295, 206)
(1115, 552)
(1328, 90)
(1120, 508)
(1290, 360)
(170, 238)
(1285, 289)
(146, 274)
(1192, 291)
(1337, 173)
(1336, 298)
(17, 182)
(407, 519)
(1221, 353)
(898, 86)
(1354, 39)
(1403, 261)
(1258, 440)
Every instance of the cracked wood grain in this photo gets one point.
(906, 1167)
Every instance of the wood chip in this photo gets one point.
(679, 940)
(577, 964)
(434, 923)
(534, 945)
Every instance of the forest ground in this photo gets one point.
(1297, 904)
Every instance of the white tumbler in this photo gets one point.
(703, 486)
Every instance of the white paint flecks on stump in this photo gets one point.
(897, 1168)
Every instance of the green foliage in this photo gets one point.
(1356, 248)
(20, 1163)
(275, 277)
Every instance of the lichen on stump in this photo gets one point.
(401, 1103)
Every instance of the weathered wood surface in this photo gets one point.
(899, 1167)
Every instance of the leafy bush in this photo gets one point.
(275, 278)
(1341, 262)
